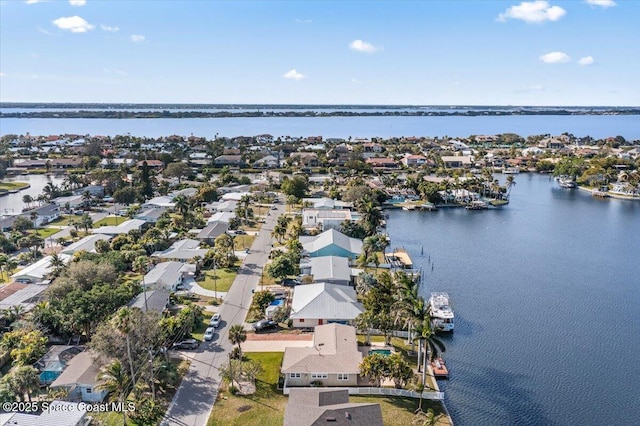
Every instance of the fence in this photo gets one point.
(439, 396)
(394, 333)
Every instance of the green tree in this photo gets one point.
(375, 367)
(237, 335)
(399, 370)
(123, 322)
(146, 185)
(86, 222)
(25, 346)
(21, 224)
(281, 267)
(126, 195)
(113, 378)
(296, 186)
(33, 242)
(178, 170)
(25, 380)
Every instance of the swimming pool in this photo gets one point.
(385, 352)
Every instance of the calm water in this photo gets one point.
(546, 293)
(12, 203)
(598, 126)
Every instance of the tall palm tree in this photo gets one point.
(510, 184)
(371, 216)
(237, 335)
(3, 261)
(123, 322)
(114, 380)
(56, 264)
(25, 380)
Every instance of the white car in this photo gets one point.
(209, 333)
(215, 320)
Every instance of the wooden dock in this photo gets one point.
(439, 368)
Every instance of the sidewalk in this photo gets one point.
(192, 286)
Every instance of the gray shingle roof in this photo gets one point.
(325, 301)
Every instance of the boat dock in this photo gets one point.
(439, 369)
(399, 259)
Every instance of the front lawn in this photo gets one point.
(63, 220)
(47, 232)
(243, 242)
(264, 408)
(198, 332)
(223, 279)
(110, 221)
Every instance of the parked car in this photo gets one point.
(264, 324)
(290, 282)
(209, 333)
(186, 344)
(241, 232)
(215, 320)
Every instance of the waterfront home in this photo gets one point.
(43, 214)
(309, 407)
(124, 228)
(69, 202)
(331, 243)
(327, 219)
(59, 413)
(181, 251)
(333, 360)
(166, 275)
(325, 203)
(79, 379)
(212, 231)
(457, 161)
(329, 269)
(322, 303)
(37, 272)
(87, 244)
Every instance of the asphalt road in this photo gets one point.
(197, 393)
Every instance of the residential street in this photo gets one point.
(197, 393)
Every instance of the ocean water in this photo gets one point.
(546, 292)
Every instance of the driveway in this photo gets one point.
(197, 393)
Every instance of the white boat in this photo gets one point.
(441, 312)
(566, 182)
(511, 170)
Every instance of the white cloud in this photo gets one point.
(364, 46)
(303, 21)
(602, 3)
(109, 29)
(137, 38)
(75, 24)
(587, 60)
(533, 12)
(555, 57)
(293, 75)
(77, 2)
(36, 1)
(2, 74)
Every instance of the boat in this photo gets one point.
(566, 182)
(441, 312)
(477, 205)
(439, 368)
(511, 170)
(602, 192)
(409, 207)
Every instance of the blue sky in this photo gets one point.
(581, 52)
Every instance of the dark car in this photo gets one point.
(186, 344)
(290, 282)
(264, 324)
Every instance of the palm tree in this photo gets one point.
(433, 346)
(182, 205)
(25, 380)
(123, 322)
(3, 261)
(370, 215)
(86, 222)
(27, 199)
(237, 335)
(510, 184)
(114, 379)
(87, 199)
(57, 264)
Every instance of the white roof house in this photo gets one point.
(182, 250)
(328, 218)
(162, 201)
(329, 269)
(165, 275)
(87, 244)
(327, 203)
(331, 243)
(221, 217)
(36, 272)
(317, 304)
(59, 413)
(123, 228)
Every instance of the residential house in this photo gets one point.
(457, 161)
(156, 300)
(213, 230)
(59, 413)
(21, 294)
(69, 202)
(79, 378)
(123, 228)
(42, 215)
(327, 219)
(151, 215)
(322, 303)
(165, 275)
(333, 360)
(317, 406)
(551, 143)
(181, 251)
(382, 163)
(306, 159)
(165, 201)
(325, 203)
(221, 217)
(87, 244)
(329, 269)
(411, 160)
(267, 162)
(37, 272)
(229, 160)
(331, 243)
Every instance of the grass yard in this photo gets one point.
(242, 242)
(198, 333)
(224, 279)
(63, 220)
(45, 232)
(266, 406)
(12, 186)
(110, 221)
